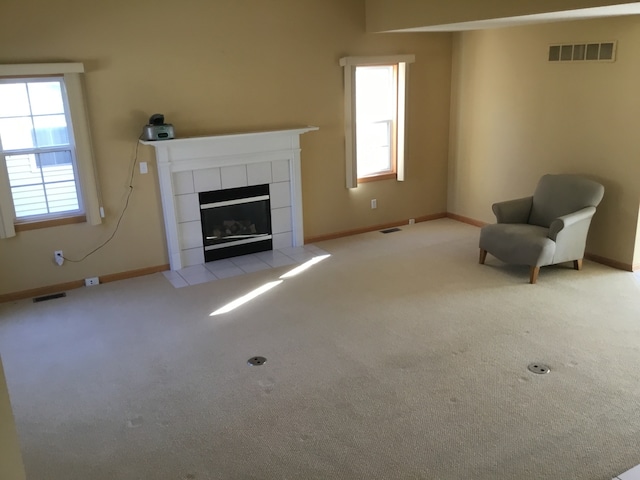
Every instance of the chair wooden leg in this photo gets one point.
(577, 264)
(483, 256)
(533, 274)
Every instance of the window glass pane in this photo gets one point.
(62, 197)
(46, 98)
(374, 134)
(374, 160)
(40, 190)
(52, 172)
(375, 93)
(29, 200)
(373, 143)
(16, 133)
(14, 101)
(54, 158)
(22, 170)
(51, 130)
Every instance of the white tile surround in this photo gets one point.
(188, 166)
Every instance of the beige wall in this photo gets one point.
(516, 116)
(219, 66)
(11, 467)
(385, 15)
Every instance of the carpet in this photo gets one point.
(396, 357)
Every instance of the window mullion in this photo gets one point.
(29, 151)
(44, 184)
(33, 125)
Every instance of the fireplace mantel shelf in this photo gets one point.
(240, 136)
(227, 153)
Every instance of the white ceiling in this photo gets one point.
(581, 14)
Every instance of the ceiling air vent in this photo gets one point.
(583, 52)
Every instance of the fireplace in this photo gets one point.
(190, 166)
(235, 221)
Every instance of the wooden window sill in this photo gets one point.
(375, 178)
(54, 222)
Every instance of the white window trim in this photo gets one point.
(350, 64)
(72, 73)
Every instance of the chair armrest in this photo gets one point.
(566, 221)
(513, 211)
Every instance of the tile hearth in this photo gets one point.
(232, 267)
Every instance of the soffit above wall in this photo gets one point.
(376, 7)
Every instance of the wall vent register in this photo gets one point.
(583, 52)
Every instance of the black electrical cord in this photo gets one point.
(126, 205)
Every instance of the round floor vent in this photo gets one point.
(255, 361)
(539, 368)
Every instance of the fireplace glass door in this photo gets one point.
(236, 221)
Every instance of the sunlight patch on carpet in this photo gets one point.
(306, 265)
(246, 298)
(268, 286)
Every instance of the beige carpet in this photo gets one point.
(397, 357)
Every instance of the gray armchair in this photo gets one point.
(548, 228)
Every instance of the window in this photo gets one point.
(46, 168)
(376, 118)
(375, 94)
(38, 147)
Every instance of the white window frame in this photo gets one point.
(350, 64)
(90, 195)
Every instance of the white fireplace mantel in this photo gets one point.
(226, 161)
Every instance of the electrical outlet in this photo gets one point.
(143, 168)
(374, 203)
(58, 257)
(412, 221)
(89, 282)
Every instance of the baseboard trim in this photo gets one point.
(470, 221)
(60, 287)
(141, 272)
(611, 263)
(357, 231)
